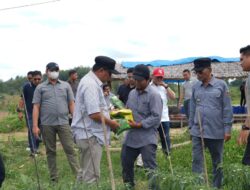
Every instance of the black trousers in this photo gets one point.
(242, 100)
(2, 171)
(128, 157)
(246, 157)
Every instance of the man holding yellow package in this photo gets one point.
(146, 106)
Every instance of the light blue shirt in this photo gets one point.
(89, 100)
(214, 104)
(147, 109)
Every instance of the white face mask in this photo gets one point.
(53, 74)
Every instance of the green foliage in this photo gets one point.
(14, 86)
(20, 170)
(235, 94)
(11, 123)
(236, 83)
(81, 71)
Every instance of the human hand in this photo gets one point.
(227, 137)
(243, 136)
(133, 124)
(114, 124)
(20, 116)
(36, 131)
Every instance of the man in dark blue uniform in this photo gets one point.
(28, 92)
(210, 118)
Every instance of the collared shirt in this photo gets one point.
(108, 102)
(54, 102)
(89, 100)
(247, 90)
(74, 86)
(123, 92)
(163, 93)
(147, 109)
(28, 92)
(187, 87)
(213, 104)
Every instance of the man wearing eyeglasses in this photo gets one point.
(27, 95)
(210, 118)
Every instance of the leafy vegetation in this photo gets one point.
(14, 86)
(21, 170)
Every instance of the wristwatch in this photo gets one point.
(244, 127)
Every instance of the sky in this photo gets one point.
(73, 32)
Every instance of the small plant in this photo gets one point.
(11, 123)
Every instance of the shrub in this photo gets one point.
(11, 123)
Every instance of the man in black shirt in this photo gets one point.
(28, 92)
(124, 90)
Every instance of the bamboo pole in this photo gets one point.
(111, 174)
(168, 151)
(203, 149)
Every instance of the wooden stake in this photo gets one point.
(111, 174)
(203, 149)
(169, 157)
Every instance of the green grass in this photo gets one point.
(21, 170)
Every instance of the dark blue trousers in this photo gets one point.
(215, 147)
(33, 141)
(166, 129)
(128, 157)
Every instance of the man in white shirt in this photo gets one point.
(166, 93)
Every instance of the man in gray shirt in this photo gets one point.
(146, 105)
(244, 137)
(52, 101)
(210, 111)
(186, 91)
(87, 124)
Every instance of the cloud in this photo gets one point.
(73, 32)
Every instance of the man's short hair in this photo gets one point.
(30, 73)
(72, 71)
(104, 86)
(35, 73)
(186, 70)
(245, 50)
(130, 70)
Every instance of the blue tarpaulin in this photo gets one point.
(161, 63)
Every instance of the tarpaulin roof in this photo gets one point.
(160, 63)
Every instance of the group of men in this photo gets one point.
(206, 101)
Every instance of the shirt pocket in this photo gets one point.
(62, 93)
(46, 94)
(214, 98)
(143, 108)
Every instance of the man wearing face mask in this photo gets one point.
(52, 101)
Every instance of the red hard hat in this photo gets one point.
(158, 72)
